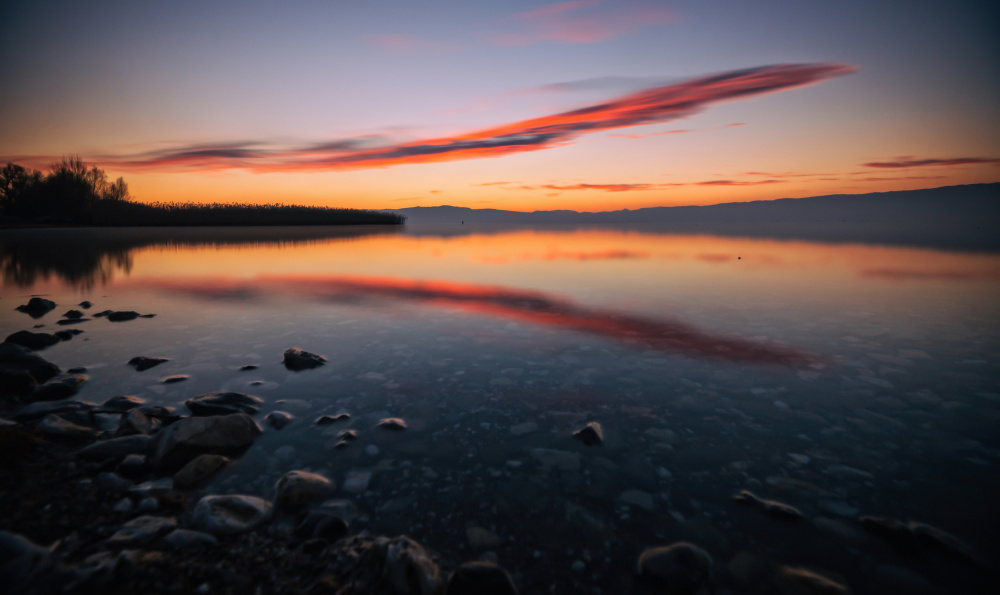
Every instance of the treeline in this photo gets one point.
(72, 193)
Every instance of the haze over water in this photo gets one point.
(843, 379)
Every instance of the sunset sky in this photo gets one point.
(585, 105)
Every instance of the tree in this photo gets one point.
(16, 184)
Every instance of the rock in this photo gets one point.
(329, 419)
(482, 539)
(394, 424)
(112, 482)
(28, 568)
(59, 387)
(223, 403)
(341, 508)
(68, 321)
(175, 378)
(102, 313)
(21, 370)
(66, 335)
(142, 530)
(115, 448)
(298, 488)
(43, 408)
(142, 363)
(73, 314)
(123, 505)
(33, 341)
(297, 360)
(321, 525)
(946, 542)
(219, 434)
(122, 316)
(85, 305)
(678, 569)
(639, 498)
(401, 565)
(357, 481)
(480, 578)
(137, 422)
(37, 307)
(180, 539)
(154, 488)
(771, 507)
(148, 505)
(591, 435)
(119, 404)
(229, 515)
(133, 466)
(248, 367)
(77, 370)
(807, 582)
(165, 414)
(557, 459)
(57, 427)
(278, 419)
(347, 436)
(525, 428)
(199, 470)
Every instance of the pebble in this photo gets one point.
(578, 566)
(223, 403)
(148, 505)
(591, 434)
(199, 470)
(123, 505)
(183, 538)
(230, 514)
(175, 378)
(297, 360)
(298, 488)
(142, 530)
(394, 424)
(279, 419)
(678, 569)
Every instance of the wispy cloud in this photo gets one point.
(905, 162)
(651, 106)
(899, 178)
(738, 182)
(582, 21)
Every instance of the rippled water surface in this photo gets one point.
(843, 379)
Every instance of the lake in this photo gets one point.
(843, 378)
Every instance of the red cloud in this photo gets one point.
(604, 187)
(562, 23)
(737, 183)
(523, 306)
(931, 162)
(651, 106)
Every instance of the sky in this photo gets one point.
(586, 105)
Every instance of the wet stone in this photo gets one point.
(298, 488)
(175, 378)
(393, 424)
(347, 435)
(402, 565)
(324, 420)
(54, 426)
(86, 305)
(248, 367)
(69, 321)
(21, 369)
(223, 403)
(122, 315)
(136, 422)
(33, 341)
(480, 578)
(142, 530)
(321, 525)
(179, 539)
(591, 434)
(229, 515)
(297, 360)
(115, 448)
(279, 419)
(77, 370)
(37, 307)
(771, 507)
(808, 582)
(59, 387)
(142, 363)
(678, 569)
(199, 470)
(119, 404)
(112, 482)
(133, 466)
(73, 314)
(67, 334)
(183, 440)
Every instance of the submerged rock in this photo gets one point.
(141, 530)
(122, 316)
(229, 515)
(807, 582)
(678, 569)
(57, 427)
(66, 335)
(21, 370)
(278, 419)
(199, 470)
(394, 424)
(223, 403)
(43, 408)
(591, 434)
(33, 341)
(219, 434)
(771, 507)
(298, 488)
(401, 565)
(297, 360)
(329, 419)
(248, 367)
(136, 422)
(59, 387)
(175, 378)
(119, 404)
(918, 534)
(481, 578)
(37, 307)
(142, 363)
(116, 448)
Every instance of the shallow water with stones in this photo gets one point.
(843, 379)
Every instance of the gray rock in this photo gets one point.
(33, 341)
(142, 363)
(21, 370)
(182, 441)
(112, 482)
(142, 530)
(123, 505)
(119, 404)
(591, 434)
(115, 448)
(133, 465)
(180, 539)
(557, 459)
(809, 582)
(297, 360)
(37, 307)
(402, 565)
(223, 403)
(175, 379)
(329, 419)
(43, 408)
(481, 578)
(229, 515)
(148, 505)
(136, 422)
(298, 488)
(56, 427)
(771, 507)
(678, 569)
(154, 488)
(58, 387)
(393, 424)
(199, 470)
(279, 419)
(28, 568)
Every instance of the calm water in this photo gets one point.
(843, 379)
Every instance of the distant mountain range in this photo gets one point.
(951, 205)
